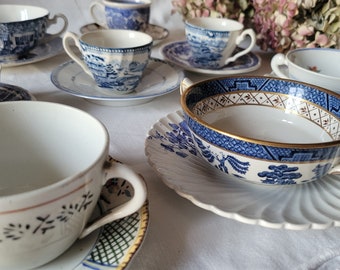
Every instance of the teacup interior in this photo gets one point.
(117, 39)
(215, 24)
(275, 118)
(17, 13)
(43, 143)
(266, 124)
(321, 61)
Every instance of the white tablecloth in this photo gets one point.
(180, 235)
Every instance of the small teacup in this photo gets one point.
(23, 28)
(122, 14)
(115, 59)
(319, 66)
(51, 176)
(213, 41)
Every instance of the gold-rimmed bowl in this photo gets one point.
(264, 130)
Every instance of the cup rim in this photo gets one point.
(127, 4)
(249, 139)
(61, 182)
(148, 38)
(290, 53)
(194, 22)
(44, 12)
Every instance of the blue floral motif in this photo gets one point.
(178, 141)
(280, 175)
(239, 166)
(121, 18)
(321, 170)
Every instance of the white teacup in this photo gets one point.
(122, 14)
(213, 41)
(24, 27)
(115, 59)
(52, 170)
(319, 66)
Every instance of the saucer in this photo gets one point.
(171, 152)
(179, 53)
(158, 33)
(159, 78)
(115, 244)
(41, 52)
(9, 92)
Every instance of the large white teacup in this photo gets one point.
(319, 66)
(53, 166)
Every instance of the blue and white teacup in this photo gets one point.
(213, 41)
(114, 58)
(22, 28)
(122, 14)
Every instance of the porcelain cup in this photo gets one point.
(52, 170)
(319, 66)
(24, 27)
(213, 41)
(122, 14)
(114, 58)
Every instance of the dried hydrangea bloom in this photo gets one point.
(288, 24)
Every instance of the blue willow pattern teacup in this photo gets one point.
(24, 27)
(132, 15)
(115, 59)
(213, 41)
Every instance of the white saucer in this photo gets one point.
(179, 53)
(114, 246)
(41, 52)
(158, 33)
(159, 78)
(171, 152)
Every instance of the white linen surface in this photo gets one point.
(180, 234)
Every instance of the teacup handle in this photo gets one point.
(66, 44)
(101, 8)
(185, 84)
(277, 61)
(239, 39)
(54, 20)
(117, 170)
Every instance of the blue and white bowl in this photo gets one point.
(264, 130)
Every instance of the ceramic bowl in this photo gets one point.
(23, 27)
(264, 130)
(319, 66)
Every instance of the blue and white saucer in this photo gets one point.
(41, 52)
(159, 78)
(179, 53)
(171, 152)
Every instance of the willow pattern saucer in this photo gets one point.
(179, 53)
(171, 152)
(40, 53)
(158, 33)
(159, 78)
(114, 246)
